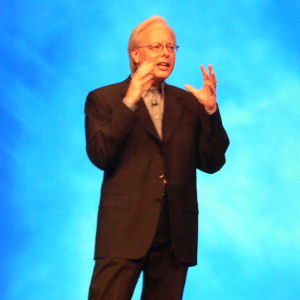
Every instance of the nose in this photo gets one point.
(165, 51)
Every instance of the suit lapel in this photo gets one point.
(172, 112)
(145, 119)
(142, 112)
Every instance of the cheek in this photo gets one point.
(146, 57)
(173, 60)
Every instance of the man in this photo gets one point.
(149, 138)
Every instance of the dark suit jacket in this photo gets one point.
(126, 146)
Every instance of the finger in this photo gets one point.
(147, 78)
(212, 75)
(210, 83)
(146, 82)
(210, 87)
(212, 90)
(211, 71)
(204, 73)
(148, 85)
(146, 68)
(148, 65)
(190, 88)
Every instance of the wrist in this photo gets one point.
(211, 109)
(129, 103)
(132, 96)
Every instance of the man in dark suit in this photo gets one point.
(149, 138)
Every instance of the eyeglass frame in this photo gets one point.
(161, 47)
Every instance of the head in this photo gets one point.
(153, 31)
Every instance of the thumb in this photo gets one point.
(190, 88)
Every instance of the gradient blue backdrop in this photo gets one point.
(53, 53)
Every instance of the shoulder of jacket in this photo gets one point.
(110, 88)
(178, 91)
(185, 98)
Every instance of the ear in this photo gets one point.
(135, 55)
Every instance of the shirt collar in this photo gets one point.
(160, 88)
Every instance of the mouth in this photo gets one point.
(163, 66)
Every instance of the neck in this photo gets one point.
(157, 82)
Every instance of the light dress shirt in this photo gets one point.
(154, 101)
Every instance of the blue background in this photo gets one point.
(52, 53)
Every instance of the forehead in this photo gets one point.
(157, 33)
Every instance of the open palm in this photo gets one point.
(207, 96)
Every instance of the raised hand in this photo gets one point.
(207, 96)
(140, 82)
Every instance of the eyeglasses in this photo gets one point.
(158, 48)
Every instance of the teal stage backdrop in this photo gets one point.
(52, 53)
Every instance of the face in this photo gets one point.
(164, 60)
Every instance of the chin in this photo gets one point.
(162, 75)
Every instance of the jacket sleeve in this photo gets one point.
(213, 142)
(107, 128)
